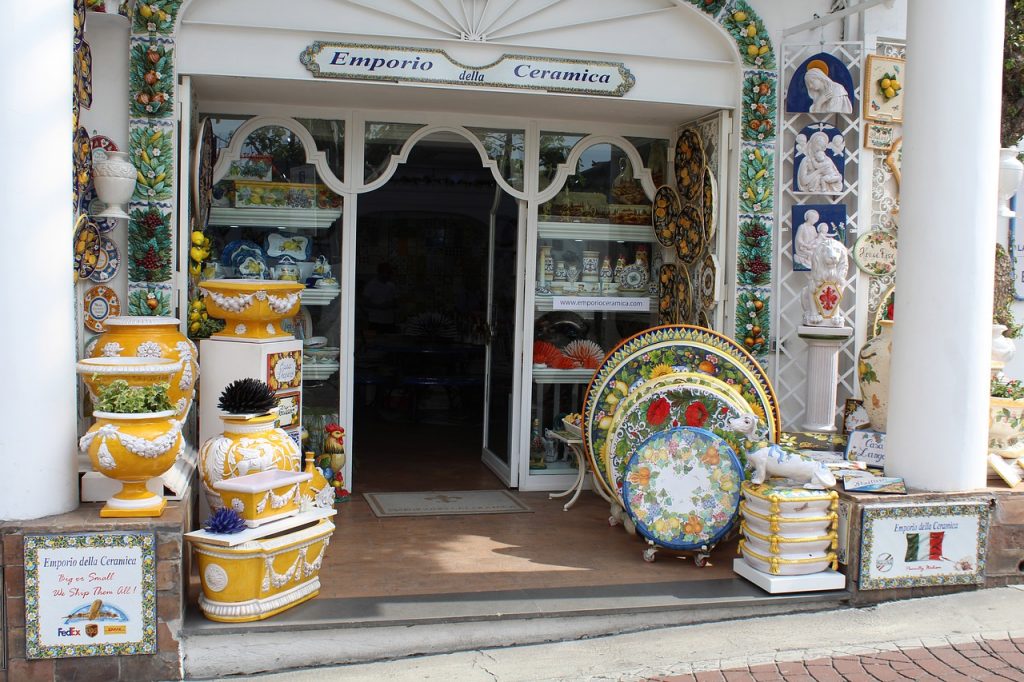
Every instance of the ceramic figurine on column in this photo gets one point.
(823, 295)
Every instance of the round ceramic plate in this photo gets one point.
(875, 253)
(202, 174)
(105, 225)
(100, 303)
(684, 296)
(690, 166)
(709, 205)
(707, 282)
(108, 260)
(670, 348)
(689, 234)
(87, 247)
(667, 293)
(634, 277)
(671, 400)
(681, 488)
(82, 155)
(83, 75)
(663, 217)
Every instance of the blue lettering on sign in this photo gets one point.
(527, 71)
(68, 632)
(373, 63)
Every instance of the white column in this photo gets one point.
(38, 476)
(823, 345)
(938, 410)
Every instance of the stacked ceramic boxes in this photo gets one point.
(788, 530)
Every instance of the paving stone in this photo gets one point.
(788, 668)
(764, 668)
(768, 677)
(848, 666)
(710, 676)
(825, 674)
(1014, 658)
(738, 676)
(882, 672)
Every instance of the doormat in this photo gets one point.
(444, 503)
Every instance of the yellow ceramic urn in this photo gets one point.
(100, 372)
(133, 448)
(152, 338)
(251, 308)
(249, 444)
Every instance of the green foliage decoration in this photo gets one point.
(753, 323)
(119, 397)
(711, 7)
(752, 39)
(155, 16)
(1003, 387)
(754, 253)
(1013, 74)
(757, 180)
(759, 105)
(149, 245)
(151, 80)
(149, 302)
(153, 156)
(1002, 294)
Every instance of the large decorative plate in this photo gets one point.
(634, 277)
(82, 155)
(709, 205)
(682, 488)
(108, 260)
(669, 401)
(875, 253)
(684, 297)
(690, 166)
(663, 217)
(667, 293)
(83, 75)
(87, 247)
(665, 349)
(707, 282)
(202, 173)
(689, 234)
(100, 303)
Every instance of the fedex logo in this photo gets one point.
(68, 632)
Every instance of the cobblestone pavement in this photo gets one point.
(974, 658)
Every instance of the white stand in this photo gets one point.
(783, 584)
(823, 344)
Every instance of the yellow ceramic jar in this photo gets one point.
(251, 308)
(249, 444)
(133, 448)
(154, 337)
(260, 578)
(264, 496)
(101, 372)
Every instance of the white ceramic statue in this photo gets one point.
(823, 294)
(818, 174)
(770, 459)
(827, 96)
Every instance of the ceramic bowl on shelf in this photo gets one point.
(786, 546)
(323, 355)
(252, 309)
(264, 496)
(787, 499)
(315, 342)
(802, 564)
(766, 524)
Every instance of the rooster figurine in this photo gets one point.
(334, 447)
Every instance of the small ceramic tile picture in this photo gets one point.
(879, 136)
(813, 223)
(854, 415)
(883, 88)
(821, 85)
(1011, 472)
(819, 160)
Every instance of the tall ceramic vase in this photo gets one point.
(114, 178)
(249, 444)
(154, 337)
(873, 373)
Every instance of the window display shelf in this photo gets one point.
(318, 296)
(550, 375)
(319, 371)
(546, 302)
(595, 231)
(274, 218)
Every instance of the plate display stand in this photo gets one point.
(788, 584)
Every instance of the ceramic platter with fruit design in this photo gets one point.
(667, 293)
(690, 164)
(100, 303)
(663, 217)
(684, 297)
(689, 234)
(87, 246)
(82, 154)
(707, 282)
(682, 488)
(671, 400)
(664, 350)
(709, 205)
(202, 174)
(108, 260)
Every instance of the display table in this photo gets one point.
(575, 443)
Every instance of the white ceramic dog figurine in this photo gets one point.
(770, 459)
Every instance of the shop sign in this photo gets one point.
(875, 253)
(868, 447)
(924, 544)
(602, 303)
(354, 61)
(90, 594)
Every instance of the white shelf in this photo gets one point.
(549, 375)
(273, 218)
(545, 302)
(319, 371)
(596, 232)
(235, 539)
(318, 296)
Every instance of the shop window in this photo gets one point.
(330, 139)
(508, 148)
(383, 140)
(654, 152)
(554, 149)
(224, 127)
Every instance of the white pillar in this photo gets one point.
(823, 345)
(938, 409)
(38, 476)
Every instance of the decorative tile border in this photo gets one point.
(753, 320)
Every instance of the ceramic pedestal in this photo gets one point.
(823, 346)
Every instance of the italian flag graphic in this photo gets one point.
(924, 546)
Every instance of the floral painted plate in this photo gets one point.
(684, 297)
(667, 293)
(671, 400)
(82, 155)
(202, 173)
(682, 488)
(634, 277)
(707, 282)
(100, 302)
(690, 166)
(689, 234)
(677, 348)
(709, 205)
(108, 260)
(87, 247)
(83, 75)
(663, 217)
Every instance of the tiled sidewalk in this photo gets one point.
(976, 659)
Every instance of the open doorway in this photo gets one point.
(432, 274)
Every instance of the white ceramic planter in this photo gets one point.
(786, 501)
(804, 564)
(802, 526)
(788, 547)
(873, 373)
(114, 178)
(1006, 427)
